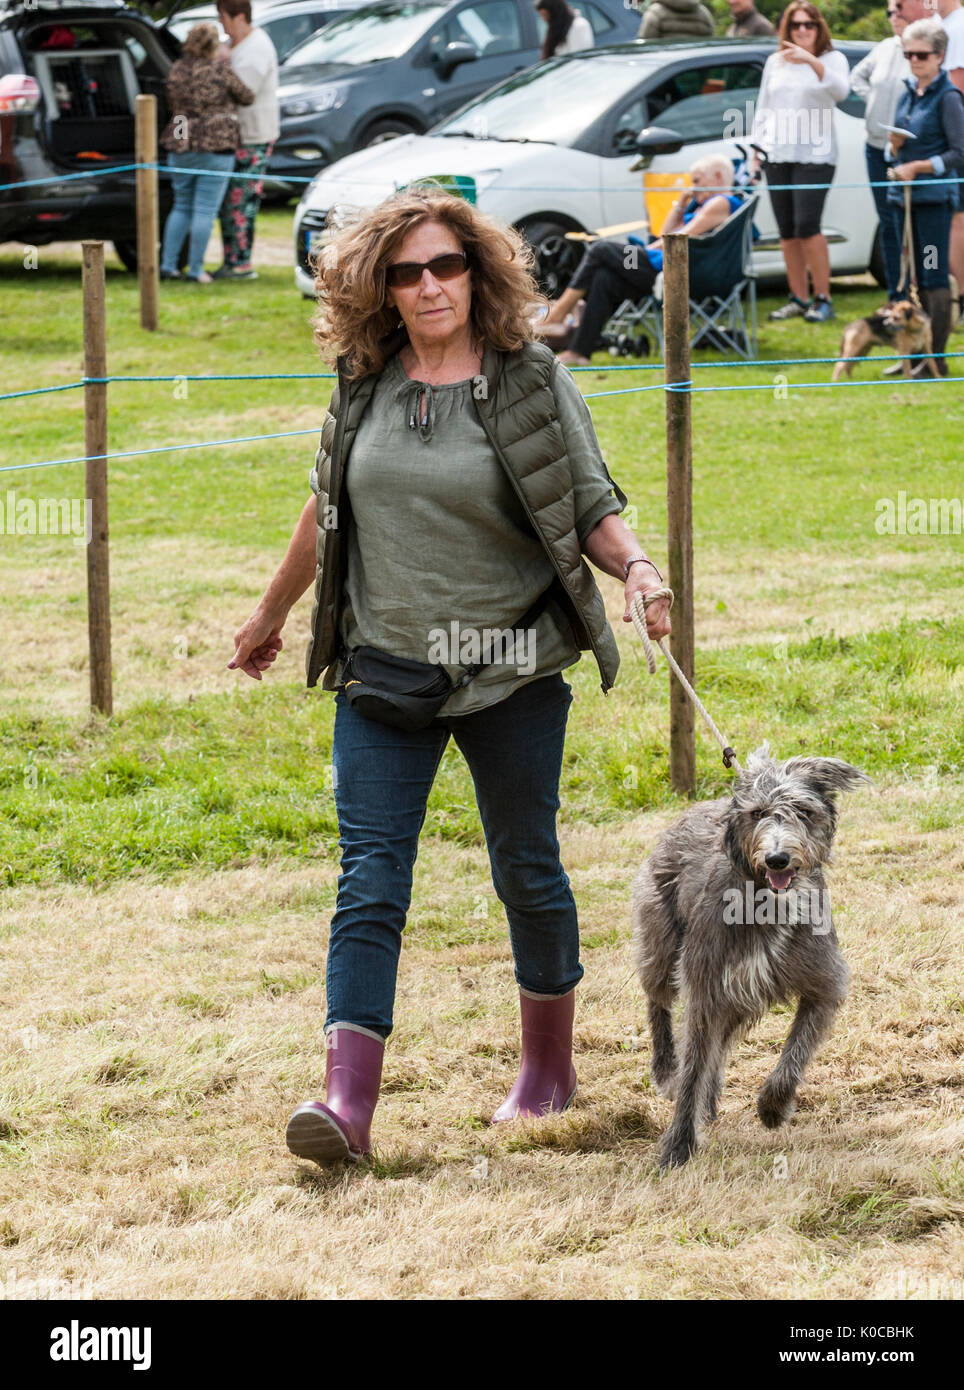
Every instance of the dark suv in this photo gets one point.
(398, 66)
(69, 76)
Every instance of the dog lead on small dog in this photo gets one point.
(715, 914)
(900, 326)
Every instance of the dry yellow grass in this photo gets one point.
(157, 1036)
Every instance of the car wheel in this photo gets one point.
(556, 257)
(389, 129)
(127, 254)
(877, 269)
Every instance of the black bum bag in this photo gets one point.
(408, 694)
(393, 690)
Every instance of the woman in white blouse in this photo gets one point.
(567, 31)
(802, 83)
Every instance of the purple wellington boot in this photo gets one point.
(547, 1078)
(339, 1127)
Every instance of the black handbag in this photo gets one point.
(409, 694)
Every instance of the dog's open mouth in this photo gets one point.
(780, 879)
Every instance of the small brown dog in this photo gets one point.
(900, 326)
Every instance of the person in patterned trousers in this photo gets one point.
(252, 56)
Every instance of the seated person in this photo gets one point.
(611, 270)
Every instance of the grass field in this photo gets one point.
(169, 874)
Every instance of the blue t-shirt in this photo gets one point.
(655, 255)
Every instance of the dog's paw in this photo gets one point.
(665, 1084)
(775, 1107)
(675, 1149)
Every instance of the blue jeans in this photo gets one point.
(382, 779)
(891, 233)
(196, 203)
(931, 225)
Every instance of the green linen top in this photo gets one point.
(441, 548)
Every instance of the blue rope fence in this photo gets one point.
(167, 169)
(601, 367)
(679, 387)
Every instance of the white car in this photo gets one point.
(552, 150)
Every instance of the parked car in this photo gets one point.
(286, 22)
(397, 67)
(69, 77)
(552, 151)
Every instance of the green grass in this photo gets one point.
(813, 631)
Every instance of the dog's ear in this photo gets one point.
(757, 760)
(827, 775)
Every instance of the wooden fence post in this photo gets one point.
(679, 505)
(95, 442)
(145, 152)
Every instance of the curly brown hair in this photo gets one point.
(824, 42)
(353, 317)
(202, 42)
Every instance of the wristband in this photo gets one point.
(636, 560)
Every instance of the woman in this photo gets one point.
(474, 484)
(610, 271)
(253, 57)
(879, 80)
(201, 135)
(566, 30)
(802, 83)
(932, 109)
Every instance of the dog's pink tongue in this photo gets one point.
(779, 881)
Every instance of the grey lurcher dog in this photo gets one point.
(732, 909)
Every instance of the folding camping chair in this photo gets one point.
(721, 275)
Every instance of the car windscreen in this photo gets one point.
(367, 36)
(553, 103)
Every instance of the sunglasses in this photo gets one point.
(404, 274)
(802, 24)
(920, 57)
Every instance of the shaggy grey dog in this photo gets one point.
(732, 909)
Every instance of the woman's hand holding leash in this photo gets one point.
(906, 173)
(612, 546)
(643, 579)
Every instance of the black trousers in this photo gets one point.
(798, 210)
(607, 274)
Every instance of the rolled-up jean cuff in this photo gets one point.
(355, 1028)
(531, 994)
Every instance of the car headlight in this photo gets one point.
(325, 99)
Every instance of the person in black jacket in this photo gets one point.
(932, 110)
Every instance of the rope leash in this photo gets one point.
(637, 611)
(908, 264)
